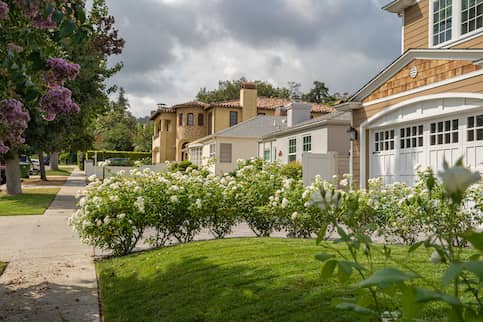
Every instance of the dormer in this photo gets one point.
(439, 23)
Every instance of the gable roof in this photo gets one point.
(339, 117)
(255, 127)
(474, 55)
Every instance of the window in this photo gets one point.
(201, 120)
(180, 119)
(292, 150)
(471, 15)
(233, 118)
(266, 154)
(307, 143)
(225, 152)
(411, 137)
(384, 140)
(442, 21)
(444, 132)
(212, 150)
(210, 123)
(196, 156)
(167, 125)
(191, 119)
(475, 128)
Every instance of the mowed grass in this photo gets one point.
(30, 202)
(63, 171)
(245, 279)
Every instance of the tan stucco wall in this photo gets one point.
(248, 102)
(221, 117)
(164, 143)
(185, 133)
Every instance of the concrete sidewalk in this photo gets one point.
(50, 275)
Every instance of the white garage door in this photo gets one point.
(396, 151)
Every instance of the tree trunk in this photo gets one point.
(14, 185)
(54, 161)
(43, 176)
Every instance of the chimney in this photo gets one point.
(298, 112)
(280, 111)
(248, 100)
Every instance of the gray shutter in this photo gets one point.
(225, 152)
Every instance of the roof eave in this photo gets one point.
(348, 106)
(398, 6)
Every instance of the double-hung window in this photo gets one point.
(212, 150)
(201, 120)
(180, 119)
(292, 150)
(233, 118)
(266, 154)
(307, 140)
(454, 19)
(191, 119)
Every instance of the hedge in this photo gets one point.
(103, 155)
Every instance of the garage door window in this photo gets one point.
(475, 128)
(384, 140)
(411, 137)
(444, 132)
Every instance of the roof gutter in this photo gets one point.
(398, 6)
(305, 127)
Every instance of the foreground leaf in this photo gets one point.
(385, 277)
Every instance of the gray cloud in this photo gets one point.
(175, 47)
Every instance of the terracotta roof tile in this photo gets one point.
(190, 104)
(271, 103)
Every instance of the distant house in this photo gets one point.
(225, 147)
(175, 127)
(427, 105)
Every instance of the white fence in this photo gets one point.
(325, 165)
(109, 171)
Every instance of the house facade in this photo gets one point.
(177, 126)
(221, 150)
(426, 106)
(320, 135)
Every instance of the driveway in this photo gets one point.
(50, 275)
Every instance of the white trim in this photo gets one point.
(365, 125)
(351, 152)
(406, 58)
(402, 32)
(426, 87)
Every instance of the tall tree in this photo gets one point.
(115, 129)
(318, 94)
(230, 90)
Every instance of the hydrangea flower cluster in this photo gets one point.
(60, 71)
(57, 100)
(13, 122)
(3, 10)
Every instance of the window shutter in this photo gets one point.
(225, 152)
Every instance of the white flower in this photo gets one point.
(107, 220)
(174, 188)
(137, 189)
(173, 199)
(435, 258)
(344, 183)
(295, 215)
(92, 178)
(98, 222)
(198, 203)
(114, 198)
(121, 216)
(458, 178)
(284, 202)
(122, 172)
(82, 202)
(140, 204)
(307, 204)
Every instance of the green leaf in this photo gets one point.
(355, 308)
(451, 273)
(321, 234)
(476, 239)
(323, 257)
(409, 307)
(385, 277)
(67, 28)
(57, 16)
(329, 268)
(424, 295)
(474, 257)
(476, 267)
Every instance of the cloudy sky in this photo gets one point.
(175, 47)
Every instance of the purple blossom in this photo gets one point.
(13, 122)
(34, 11)
(3, 15)
(61, 70)
(14, 47)
(57, 100)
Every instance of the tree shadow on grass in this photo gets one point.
(48, 302)
(197, 290)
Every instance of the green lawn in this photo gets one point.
(246, 279)
(63, 171)
(31, 202)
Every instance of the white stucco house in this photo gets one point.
(225, 147)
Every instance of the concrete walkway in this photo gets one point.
(50, 275)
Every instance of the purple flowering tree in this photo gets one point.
(32, 76)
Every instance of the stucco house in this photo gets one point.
(427, 105)
(177, 126)
(225, 147)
